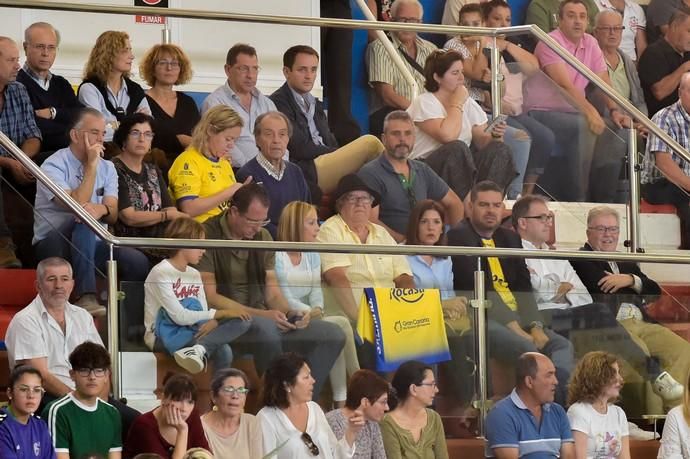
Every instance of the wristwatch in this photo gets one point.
(535, 324)
(53, 113)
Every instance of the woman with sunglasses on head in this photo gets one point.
(412, 430)
(295, 427)
(229, 430)
(23, 435)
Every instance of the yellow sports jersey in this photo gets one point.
(500, 284)
(193, 175)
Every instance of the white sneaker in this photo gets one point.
(191, 358)
(637, 433)
(667, 388)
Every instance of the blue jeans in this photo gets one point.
(542, 145)
(217, 342)
(520, 150)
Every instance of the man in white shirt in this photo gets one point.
(559, 289)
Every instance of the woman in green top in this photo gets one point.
(411, 430)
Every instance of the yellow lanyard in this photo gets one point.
(500, 284)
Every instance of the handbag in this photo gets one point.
(403, 324)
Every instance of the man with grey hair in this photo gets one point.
(665, 176)
(283, 180)
(16, 122)
(52, 97)
(403, 182)
(390, 88)
(628, 292)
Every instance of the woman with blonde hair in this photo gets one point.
(675, 439)
(299, 276)
(107, 86)
(201, 178)
(600, 428)
(175, 113)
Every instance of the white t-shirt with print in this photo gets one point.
(605, 432)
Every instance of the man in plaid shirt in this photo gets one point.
(16, 122)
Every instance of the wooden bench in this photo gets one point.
(473, 448)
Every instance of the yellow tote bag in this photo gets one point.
(403, 324)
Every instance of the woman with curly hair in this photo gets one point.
(107, 86)
(600, 428)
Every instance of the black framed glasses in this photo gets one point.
(86, 372)
(311, 446)
(544, 218)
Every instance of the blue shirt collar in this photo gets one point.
(517, 401)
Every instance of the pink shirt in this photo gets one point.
(543, 94)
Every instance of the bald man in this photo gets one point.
(665, 175)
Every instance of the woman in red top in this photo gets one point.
(172, 428)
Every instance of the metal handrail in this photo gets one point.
(367, 25)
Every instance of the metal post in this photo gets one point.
(634, 207)
(479, 306)
(165, 34)
(496, 79)
(113, 332)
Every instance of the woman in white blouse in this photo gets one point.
(293, 426)
(675, 439)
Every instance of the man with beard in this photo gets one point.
(403, 182)
(514, 325)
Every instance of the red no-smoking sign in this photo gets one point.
(156, 3)
(141, 19)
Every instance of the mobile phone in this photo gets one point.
(294, 318)
(499, 119)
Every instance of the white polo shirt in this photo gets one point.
(33, 333)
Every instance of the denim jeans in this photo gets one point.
(520, 150)
(542, 145)
(217, 342)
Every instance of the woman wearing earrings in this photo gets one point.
(229, 430)
(23, 435)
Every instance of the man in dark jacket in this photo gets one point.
(313, 146)
(515, 325)
(628, 292)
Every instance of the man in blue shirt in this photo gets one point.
(527, 423)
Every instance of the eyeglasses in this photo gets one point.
(253, 222)
(247, 69)
(171, 64)
(430, 384)
(351, 199)
(611, 29)
(230, 390)
(44, 48)
(544, 218)
(148, 135)
(86, 372)
(26, 390)
(605, 229)
(408, 20)
(313, 449)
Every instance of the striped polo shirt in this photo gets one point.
(511, 425)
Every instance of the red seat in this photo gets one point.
(647, 208)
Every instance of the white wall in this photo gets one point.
(206, 42)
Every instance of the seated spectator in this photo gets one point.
(675, 438)
(451, 11)
(81, 423)
(313, 147)
(21, 432)
(144, 204)
(201, 179)
(198, 453)
(452, 136)
(176, 315)
(246, 280)
(348, 274)
(91, 181)
(515, 325)
(564, 108)
(659, 14)
(621, 67)
(175, 113)
(284, 181)
(599, 427)
(633, 36)
(391, 90)
(39, 335)
(52, 97)
(628, 291)
(367, 393)
(18, 124)
(107, 86)
(292, 423)
(402, 182)
(664, 62)
(528, 422)
(411, 428)
(547, 14)
(229, 430)
(299, 276)
(426, 227)
(665, 175)
(563, 297)
(171, 428)
(240, 94)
